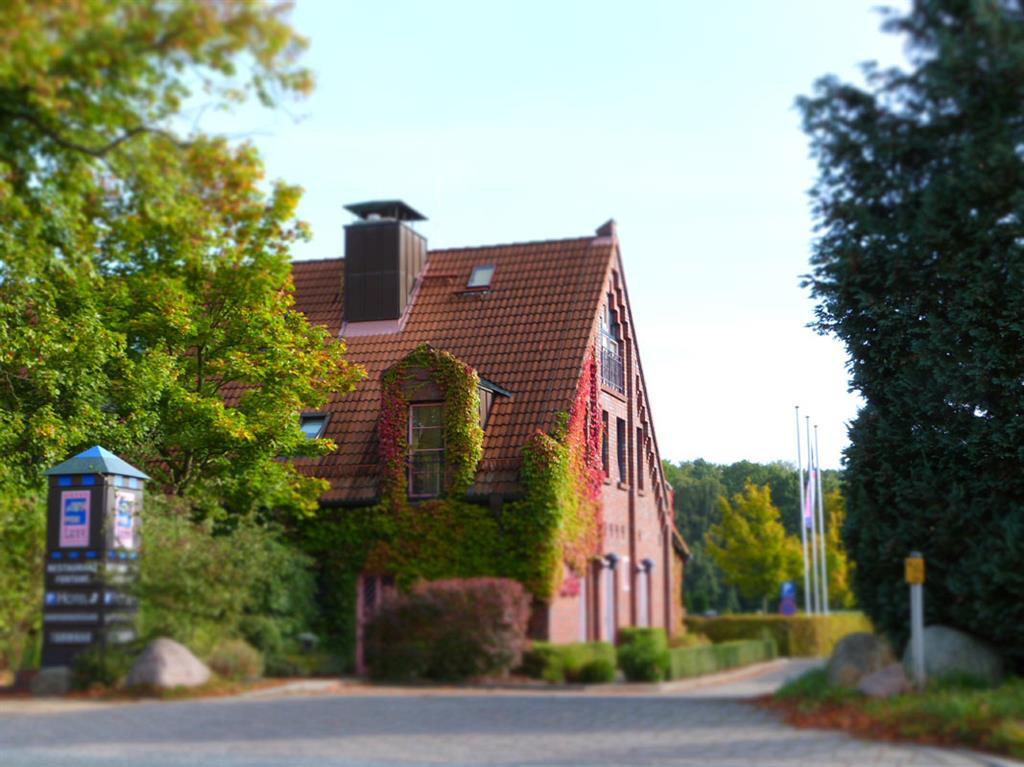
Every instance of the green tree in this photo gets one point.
(145, 293)
(751, 546)
(697, 485)
(840, 593)
(918, 267)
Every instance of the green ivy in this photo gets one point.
(464, 438)
(557, 521)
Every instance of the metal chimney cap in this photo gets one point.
(387, 209)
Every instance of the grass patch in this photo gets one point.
(812, 690)
(952, 712)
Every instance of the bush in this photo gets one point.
(579, 662)
(685, 662)
(597, 671)
(202, 582)
(22, 554)
(643, 654)
(236, 659)
(263, 633)
(796, 635)
(449, 630)
(101, 667)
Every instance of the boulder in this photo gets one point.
(891, 680)
(55, 680)
(857, 655)
(951, 653)
(165, 664)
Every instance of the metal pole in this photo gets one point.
(821, 521)
(917, 626)
(803, 527)
(815, 579)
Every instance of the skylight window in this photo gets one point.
(481, 277)
(313, 424)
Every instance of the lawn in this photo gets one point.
(952, 712)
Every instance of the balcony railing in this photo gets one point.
(612, 372)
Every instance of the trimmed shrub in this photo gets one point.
(236, 659)
(643, 654)
(581, 662)
(685, 662)
(449, 630)
(795, 635)
(597, 671)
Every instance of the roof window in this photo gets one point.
(481, 277)
(313, 424)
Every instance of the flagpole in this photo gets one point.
(814, 527)
(803, 527)
(821, 520)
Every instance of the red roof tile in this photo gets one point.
(528, 334)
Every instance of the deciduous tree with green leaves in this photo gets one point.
(145, 291)
(918, 267)
(751, 546)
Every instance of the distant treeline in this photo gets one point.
(699, 486)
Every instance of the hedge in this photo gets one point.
(795, 635)
(686, 662)
(586, 662)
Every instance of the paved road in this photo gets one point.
(690, 727)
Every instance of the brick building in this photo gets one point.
(530, 319)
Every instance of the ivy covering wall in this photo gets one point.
(557, 520)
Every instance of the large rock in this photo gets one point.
(54, 680)
(857, 655)
(949, 652)
(891, 680)
(165, 664)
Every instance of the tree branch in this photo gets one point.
(93, 151)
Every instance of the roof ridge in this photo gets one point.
(520, 244)
(316, 260)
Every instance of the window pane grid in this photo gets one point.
(426, 451)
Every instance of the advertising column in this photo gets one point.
(95, 499)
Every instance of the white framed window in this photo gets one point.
(426, 450)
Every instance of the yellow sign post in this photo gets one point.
(913, 568)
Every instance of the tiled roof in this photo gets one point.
(528, 334)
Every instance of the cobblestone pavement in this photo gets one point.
(694, 727)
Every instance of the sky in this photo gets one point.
(510, 122)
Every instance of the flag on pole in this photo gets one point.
(809, 501)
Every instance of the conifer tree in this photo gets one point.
(918, 267)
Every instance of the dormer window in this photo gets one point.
(313, 424)
(426, 450)
(480, 279)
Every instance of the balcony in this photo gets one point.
(612, 372)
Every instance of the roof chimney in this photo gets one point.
(383, 258)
